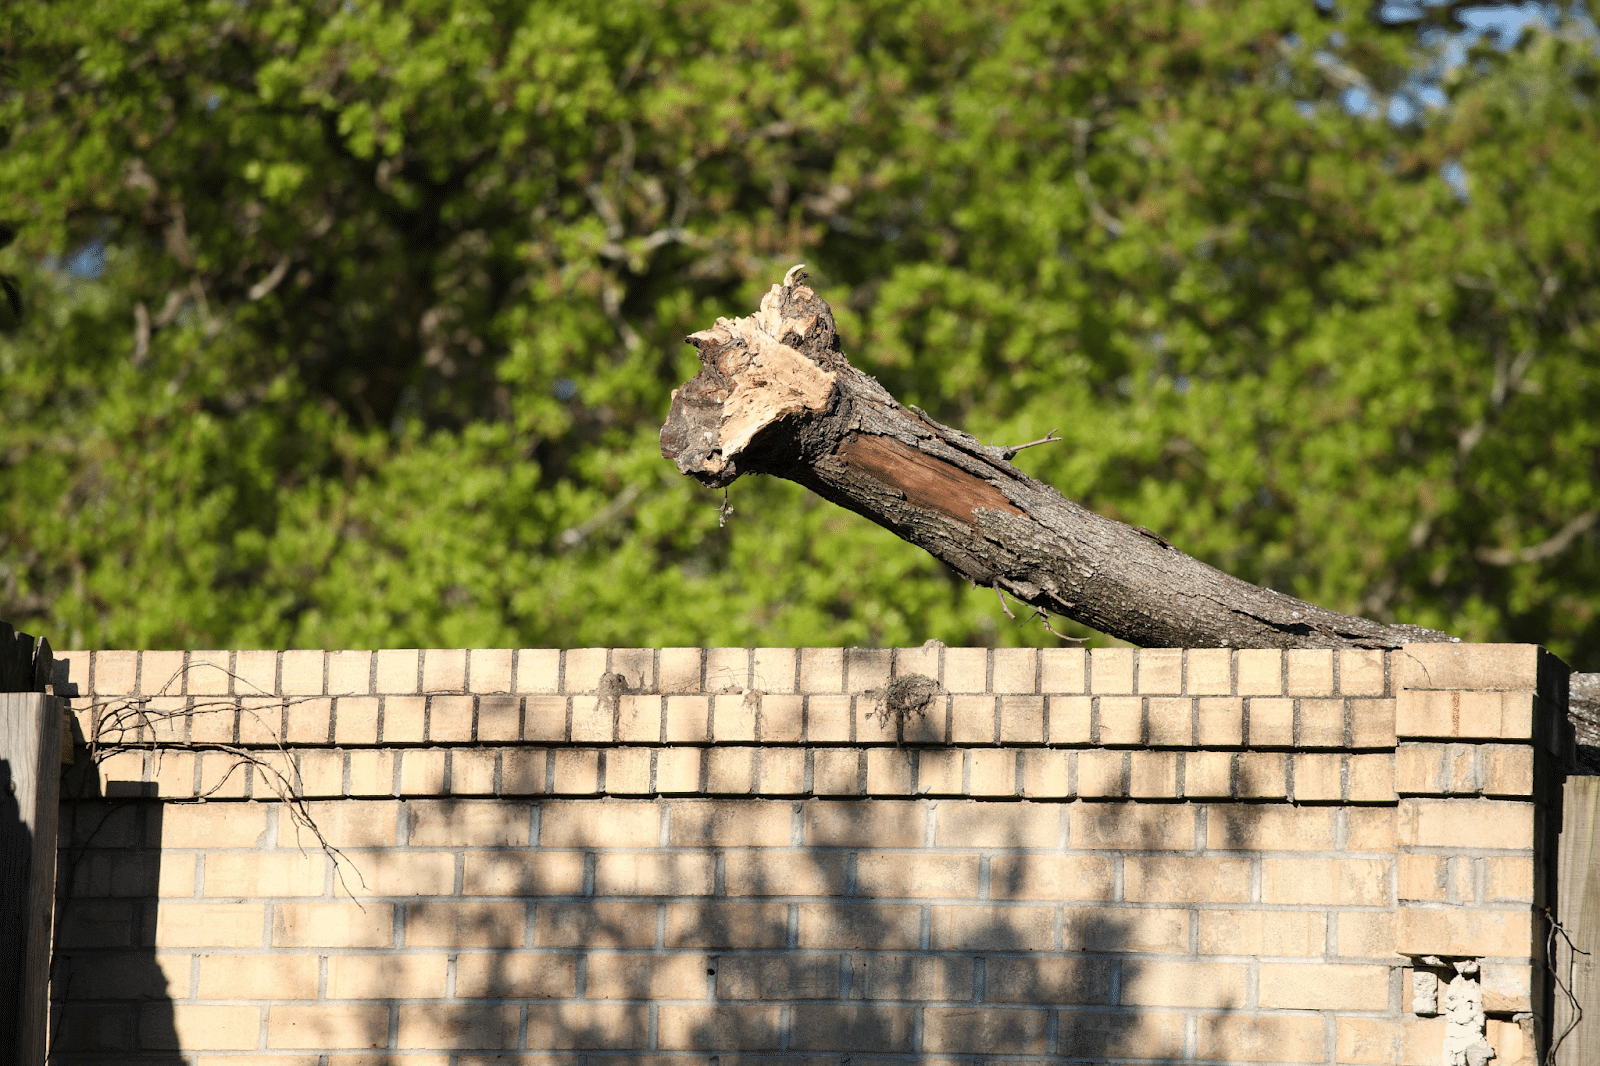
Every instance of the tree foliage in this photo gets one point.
(353, 324)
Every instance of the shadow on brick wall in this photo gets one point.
(110, 1000)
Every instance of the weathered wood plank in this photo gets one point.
(30, 762)
(1578, 906)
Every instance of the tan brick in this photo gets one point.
(326, 1026)
(976, 928)
(592, 723)
(1265, 933)
(1375, 1041)
(349, 673)
(1184, 984)
(637, 666)
(828, 719)
(972, 719)
(260, 721)
(1372, 723)
(1507, 987)
(1111, 671)
(404, 719)
(988, 825)
(1160, 671)
(1507, 769)
(1324, 986)
(1050, 877)
(173, 773)
(1318, 778)
(821, 670)
(355, 720)
(785, 873)
(545, 873)
(1153, 774)
(1045, 775)
(658, 874)
(773, 669)
(1063, 670)
(727, 669)
(450, 719)
(733, 718)
(255, 672)
(879, 823)
(643, 977)
(879, 927)
(206, 673)
(988, 1030)
(116, 673)
(781, 719)
(1508, 878)
(1141, 827)
(993, 773)
(258, 977)
(1209, 672)
(422, 772)
(759, 823)
(1468, 715)
(1465, 823)
(1207, 775)
(301, 673)
(1022, 720)
(1269, 828)
(1421, 876)
(1260, 672)
(1361, 672)
(608, 823)
(836, 772)
(889, 771)
(748, 1028)
(322, 773)
(575, 772)
(539, 671)
(1367, 934)
(743, 925)
(1170, 722)
(444, 670)
(1070, 720)
(484, 925)
(1115, 930)
(1047, 982)
(1183, 880)
(1461, 931)
(730, 771)
(211, 722)
(384, 976)
(161, 673)
(250, 875)
(1263, 775)
(1372, 779)
(1271, 723)
(913, 661)
(628, 771)
(1321, 724)
(1468, 666)
(899, 875)
(940, 773)
(398, 873)
(434, 1025)
(506, 975)
(396, 672)
(904, 977)
(372, 773)
(1121, 720)
(1310, 671)
(500, 718)
(1015, 670)
(223, 825)
(678, 771)
(1254, 1038)
(344, 824)
(309, 721)
(1220, 723)
(200, 1027)
(1341, 882)
(1370, 829)
(687, 719)
(966, 670)
(175, 876)
(332, 925)
(608, 1026)
(765, 977)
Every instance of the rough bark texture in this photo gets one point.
(776, 396)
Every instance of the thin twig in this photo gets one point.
(1046, 439)
(1003, 606)
(1044, 620)
(1550, 963)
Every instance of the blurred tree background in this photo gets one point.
(352, 323)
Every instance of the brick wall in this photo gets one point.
(680, 856)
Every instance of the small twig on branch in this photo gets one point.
(1044, 620)
(1011, 452)
(1003, 606)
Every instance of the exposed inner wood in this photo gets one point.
(929, 483)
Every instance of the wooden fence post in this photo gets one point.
(1578, 900)
(30, 762)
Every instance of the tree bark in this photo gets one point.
(776, 396)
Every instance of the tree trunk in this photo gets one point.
(776, 396)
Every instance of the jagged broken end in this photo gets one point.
(781, 362)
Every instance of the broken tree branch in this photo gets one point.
(776, 396)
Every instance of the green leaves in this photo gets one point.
(395, 292)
